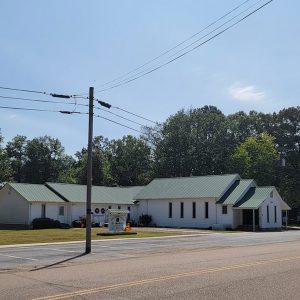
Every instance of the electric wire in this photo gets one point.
(72, 103)
(23, 90)
(186, 52)
(107, 119)
(42, 110)
(136, 115)
(43, 101)
(128, 112)
(119, 116)
(177, 45)
(43, 93)
(186, 47)
(69, 112)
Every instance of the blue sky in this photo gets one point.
(67, 46)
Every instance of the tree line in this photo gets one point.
(192, 142)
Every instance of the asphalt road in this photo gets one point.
(206, 266)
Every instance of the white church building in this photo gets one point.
(216, 201)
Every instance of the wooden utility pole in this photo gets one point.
(88, 244)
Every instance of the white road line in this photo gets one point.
(11, 256)
(61, 250)
(22, 249)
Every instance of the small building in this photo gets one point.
(216, 201)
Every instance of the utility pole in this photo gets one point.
(88, 244)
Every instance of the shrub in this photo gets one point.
(45, 223)
(145, 220)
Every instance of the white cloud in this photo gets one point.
(246, 93)
(12, 116)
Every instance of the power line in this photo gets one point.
(136, 115)
(43, 93)
(69, 113)
(43, 101)
(119, 116)
(107, 119)
(23, 90)
(108, 105)
(186, 47)
(43, 110)
(186, 52)
(176, 46)
(72, 103)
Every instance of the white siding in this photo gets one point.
(237, 218)
(134, 213)
(79, 209)
(14, 209)
(271, 203)
(159, 210)
(225, 219)
(51, 210)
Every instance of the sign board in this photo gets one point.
(117, 219)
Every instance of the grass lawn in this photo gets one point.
(10, 237)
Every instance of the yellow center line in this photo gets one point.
(163, 278)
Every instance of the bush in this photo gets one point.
(145, 220)
(45, 223)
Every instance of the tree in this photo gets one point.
(256, 158)
(16, 151)
(172, 153)
(286, 131)
(5, 168)
(211, 141)
(100, 171)
(193, 142)
(44, 160)
(67, 173)
(243, 125)
(130, 161)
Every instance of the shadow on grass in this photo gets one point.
(60, 262)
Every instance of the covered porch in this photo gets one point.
(262, 209)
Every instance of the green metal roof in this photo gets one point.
(237, 191)
(36, 192)
(100, 194)
(255, 197)
(213, 186)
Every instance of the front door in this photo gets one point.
(248, 217)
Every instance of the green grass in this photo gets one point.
(10, 237)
